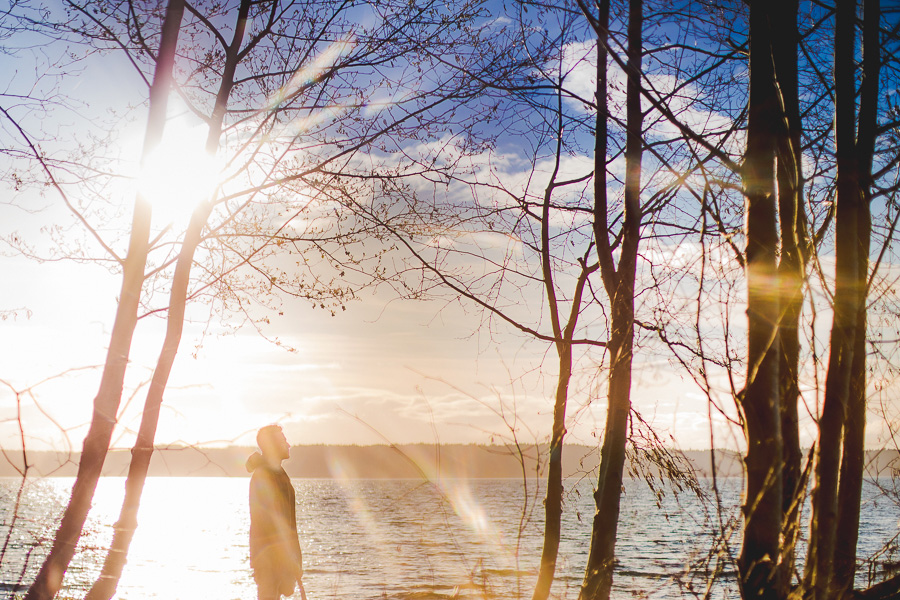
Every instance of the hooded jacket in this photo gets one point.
(274, 545)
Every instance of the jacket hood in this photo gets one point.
(256, 460)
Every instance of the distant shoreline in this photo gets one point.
(408, 461)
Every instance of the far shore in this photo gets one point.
(410, 461)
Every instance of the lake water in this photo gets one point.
(387, 539)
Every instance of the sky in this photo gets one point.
(383, 371)
(386, 370)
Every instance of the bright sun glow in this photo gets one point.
(179, 174)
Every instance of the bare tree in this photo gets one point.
(792, 221)
(283, 66)
(564, 235)
(96, 442)
(105, 585)
(760, 398)
(311, 210)
(619, 283)
(837, 476)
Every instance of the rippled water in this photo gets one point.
(399, 539)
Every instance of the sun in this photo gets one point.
(179, 174)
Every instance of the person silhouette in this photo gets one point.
(275, 555)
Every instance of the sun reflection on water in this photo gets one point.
(191, 541)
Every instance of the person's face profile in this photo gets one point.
(284, 446)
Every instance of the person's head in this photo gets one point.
(273, 444)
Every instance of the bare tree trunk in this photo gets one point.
(760, 404)
(791, 275)
(846, 309)
(853, 456)
(619, 285)
(553, 501)
(601, 560)
(105, 585)
(106, 403)
(563, 342)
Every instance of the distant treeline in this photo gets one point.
(383, 462)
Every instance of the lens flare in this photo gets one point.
(178, 174)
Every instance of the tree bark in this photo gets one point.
(553, 501)
(601, 559)
(791, 275)
(563, 342)
(106, 403)
(105, 585)
(619, 284)
(846, 308)
(758, 560)
(853, 456)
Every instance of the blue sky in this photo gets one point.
(386, 369)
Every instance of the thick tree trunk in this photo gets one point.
(106, 404)
(823, 527)
(601, 559)
(758, 560)
(852, 463)
(791, 275)
(619, 285)
(853, 456)
(105, 585)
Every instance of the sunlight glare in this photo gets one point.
(178, 175)
(307, 75)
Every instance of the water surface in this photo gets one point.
(376, 539)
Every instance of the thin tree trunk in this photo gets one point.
(563, 342)
(789, 391)
(619, 285)
(846, 308)
(553, 501)
(105, 585)
(106, 403)
(760, 404)
(853, 456)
